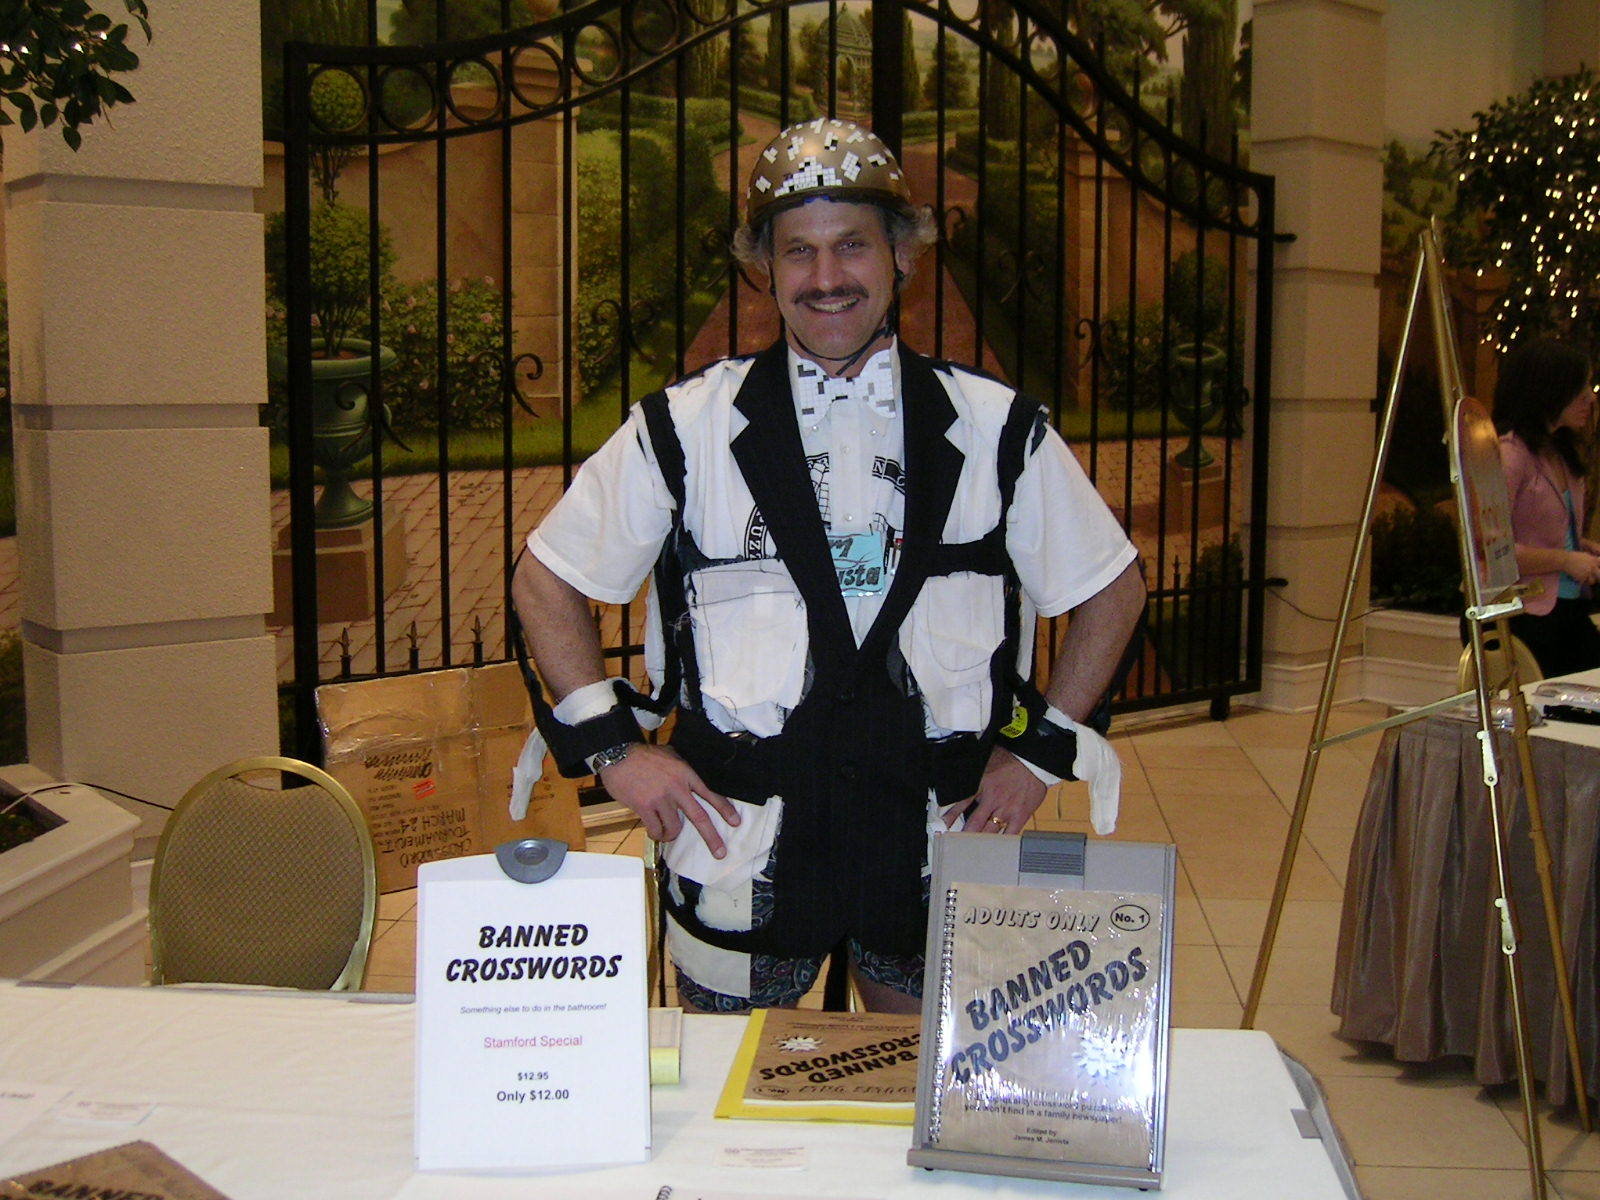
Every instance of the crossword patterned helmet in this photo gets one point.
(825, 157)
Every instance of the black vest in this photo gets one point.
(852, 763)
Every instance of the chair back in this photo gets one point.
(255, 883)
(1497, 659)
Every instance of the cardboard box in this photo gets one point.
(428, 758)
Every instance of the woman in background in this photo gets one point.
(1544, 408)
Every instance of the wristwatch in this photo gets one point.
(610, 756)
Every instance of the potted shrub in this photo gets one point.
(342, 366)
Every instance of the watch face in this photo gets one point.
(610, 757)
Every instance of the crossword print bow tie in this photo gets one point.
(817, 389)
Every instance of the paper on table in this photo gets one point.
(106, 1112)
(763, 1158)
(488, 1187)
(21, 1104)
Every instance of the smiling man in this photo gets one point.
(850, 546)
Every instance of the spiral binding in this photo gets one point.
(946, 964)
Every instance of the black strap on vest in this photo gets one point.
(985, 555)
(678, 634)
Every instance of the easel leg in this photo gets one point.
(1506, 917)
(1542, 865)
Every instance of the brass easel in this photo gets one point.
(1482, 610)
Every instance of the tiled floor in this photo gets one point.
(1222, 792)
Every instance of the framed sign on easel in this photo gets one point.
(1489, 569)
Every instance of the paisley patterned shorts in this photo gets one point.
(780, 982)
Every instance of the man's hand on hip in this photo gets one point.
(1007, 796)
(664, 790)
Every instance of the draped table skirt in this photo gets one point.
(1419, 965)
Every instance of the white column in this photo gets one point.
(1317, 126)
(137, 360)
(1571, 35)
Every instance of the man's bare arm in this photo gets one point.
(558, 626)
(1095, 639)
(1096, 636)
(653, 781)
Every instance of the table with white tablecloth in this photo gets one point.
(273, 1096)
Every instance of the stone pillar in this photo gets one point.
(137, 360)
(1317, 125)
(1571, 35)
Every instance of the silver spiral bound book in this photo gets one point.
(1045, 1035)
(1047, 1046)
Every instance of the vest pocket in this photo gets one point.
(948, 640)
(749, 635)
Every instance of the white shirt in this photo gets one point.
(604, 535)
(854, 436)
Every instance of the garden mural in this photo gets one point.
(533, 228)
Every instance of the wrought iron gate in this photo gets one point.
(533, 226)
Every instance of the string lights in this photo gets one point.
(1528, 176)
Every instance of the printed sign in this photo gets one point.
(532, 1041)
(1481, 494)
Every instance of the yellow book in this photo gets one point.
(802, 1065)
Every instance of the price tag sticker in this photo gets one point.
(766, 1158)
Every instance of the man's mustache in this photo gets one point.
(852, 291)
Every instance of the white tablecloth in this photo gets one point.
(296, 1097)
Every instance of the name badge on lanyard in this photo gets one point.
(860, 561)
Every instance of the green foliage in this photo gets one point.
(13, 710)
(1132, 36)
(1418, 464)
(1194, 310)
(473, 352)
(5, 375)
(1416, 560)
(338, 105)
(1415, 189)
(340, 267)
(1018, 253)
(654, 194)
(1206, 91)
(1528, 169)
(810, 68)
(910, 80)
(57, 59)
(923, 126)
(959, 74)
(1199, 632)
(802, 106)
(331, 22)
(8, 498)
(416, 22)
(704, 118)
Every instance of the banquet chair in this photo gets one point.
(256, 882)
(1498, 661)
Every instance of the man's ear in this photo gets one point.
(904, 259)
